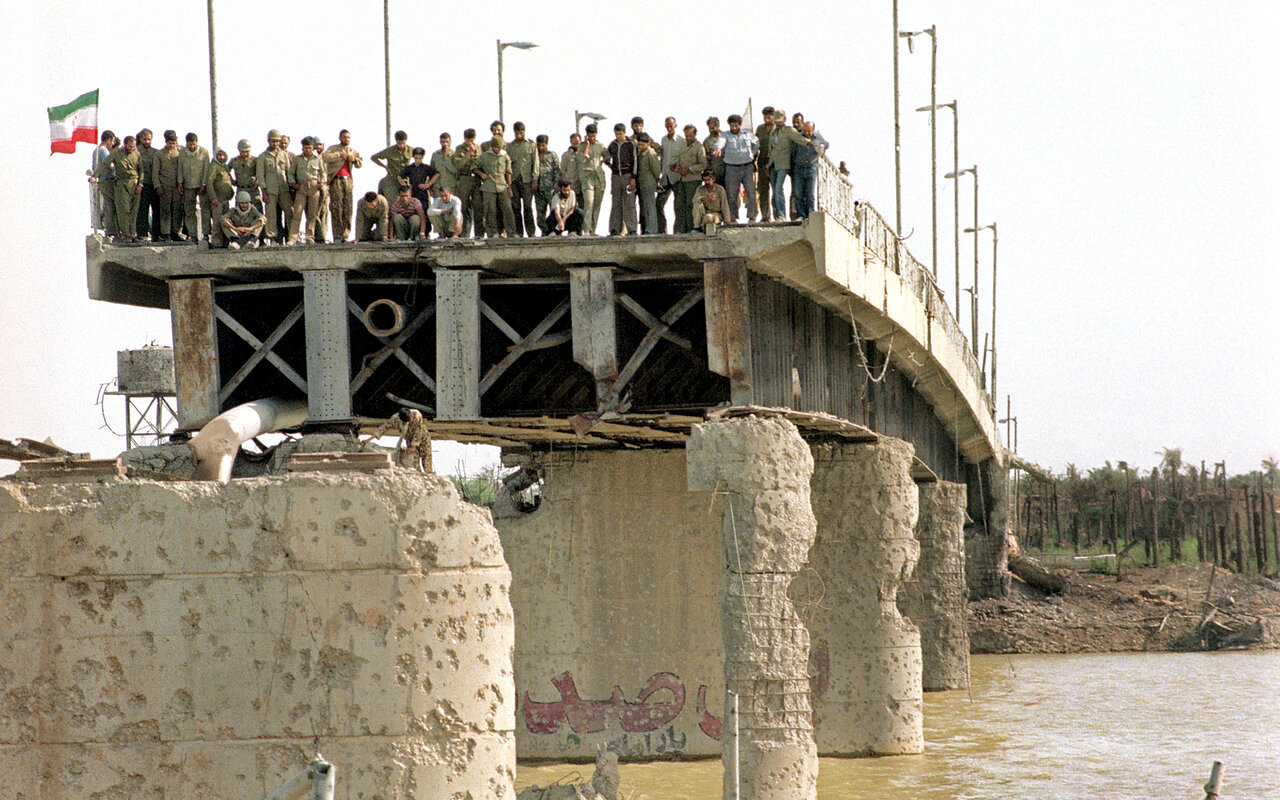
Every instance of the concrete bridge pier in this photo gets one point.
(866, 665)
(762, 467)
(936, 600)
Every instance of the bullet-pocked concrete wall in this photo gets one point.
(616, 582)
(866, 655)
(167, 640)
(936, 598)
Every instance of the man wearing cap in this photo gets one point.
(242, 224)
(244, 173)
(591, 156)
(648, 174)
(123, 162)
(372, 214)
(494, 169)
(740, 151)
(714, 145)
(669, 150)
(524, 153)
(148, 201)
(710, 205)
(408, 217)
(393, 159)
(164, 175)
(546, 175)
(689, 166)
(273, 182)
(306, 176)
(468, 185)
(763, 132)
(446, 214)
(782, 141)
(193, 170)
(621, 158)
(340, 160)
(104, 200)
(219, 194)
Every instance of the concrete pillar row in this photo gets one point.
(937, 599)
(867, 690)
(762, 467)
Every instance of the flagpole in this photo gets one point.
(213, 82)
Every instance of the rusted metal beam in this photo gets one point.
(393, 347)
(258, 346)
(525, 345)
(728, 325)
(641, 313)
(262, 351)
(651, 338)
(195, 350)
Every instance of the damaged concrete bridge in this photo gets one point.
(744, 441)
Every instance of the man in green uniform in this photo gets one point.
(393, 159)
(219, 193)
(523, 153)
(494, 169)
(372, 215)
(124, 161)
(710, 203)
(104, 204)
(193, 170)
(714, 145)
(591, 156)
(689, 166)
(648, 174)
(763, 132)
(322, 213)
(306, 177)
(464, 164)
(442, 162)
(340, 160)
(242, 224)
(569, 165)
(164, 175)
(244, 173)
(546, 176)
(273, 182)
(782, 141)
(148, 201)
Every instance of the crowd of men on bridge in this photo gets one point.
(480, 188)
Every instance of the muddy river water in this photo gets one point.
(1121, 725)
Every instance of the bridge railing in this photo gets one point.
(836, 198)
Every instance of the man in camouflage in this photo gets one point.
(413, 437)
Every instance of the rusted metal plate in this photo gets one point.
(69, 470)
(338, 462)
(728, 332)
(195, 350)
(457, 344)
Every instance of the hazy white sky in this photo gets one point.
(1128, 151)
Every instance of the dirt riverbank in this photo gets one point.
(1149, 609)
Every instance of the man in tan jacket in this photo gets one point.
(339, 161)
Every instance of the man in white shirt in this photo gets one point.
(669, 149)
(565, 216)
(446, 214)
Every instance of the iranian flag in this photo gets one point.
(77, 121)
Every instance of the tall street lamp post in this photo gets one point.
(502, 46)
(932, 108)
(973, 293)
(213, 83)
(995, 246)
(578, 115)
(955, 169)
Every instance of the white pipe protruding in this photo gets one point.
(216, 445)
(319, 773)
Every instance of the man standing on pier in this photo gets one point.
(193, 170)
(340, 160)
(740, 151)
(622, 165)
(273, 181)
(524, 156)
